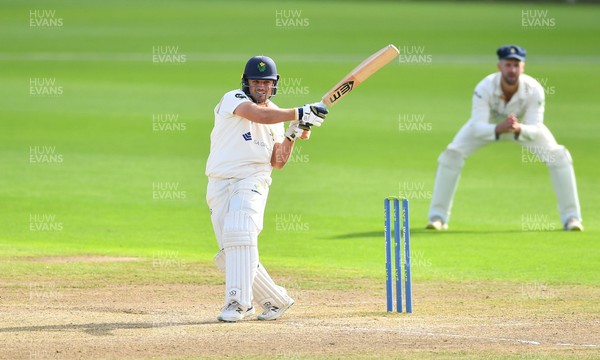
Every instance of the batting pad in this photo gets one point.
(264, 289)
(266, 292)
(241, 257)
(220, 260)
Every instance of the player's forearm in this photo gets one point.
(266, 115)
(532, 121)
(483, 131)
(529, 132)
(480, 116)
(274, 116)
(281, 153)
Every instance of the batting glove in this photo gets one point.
(311, 114)
(294, 132)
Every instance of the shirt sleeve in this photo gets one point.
(231, 101)
(534, 114)
(277, 129)
(480, 113)
(279, 132)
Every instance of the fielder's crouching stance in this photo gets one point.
(507, 106)
(249, 140)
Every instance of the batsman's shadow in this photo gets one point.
(104, 329)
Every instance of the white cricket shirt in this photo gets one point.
(240, 148)
(490, 109)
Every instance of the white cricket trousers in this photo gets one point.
(543, 146)
(237, 195)
(237, 210)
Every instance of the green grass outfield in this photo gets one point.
(324, 216)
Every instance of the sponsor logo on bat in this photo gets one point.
(341, 91)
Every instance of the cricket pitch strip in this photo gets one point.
(53, 318)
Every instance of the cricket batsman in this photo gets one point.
(249, 140)
(507, 106)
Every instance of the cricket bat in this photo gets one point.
(360, 73)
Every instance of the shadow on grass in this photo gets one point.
(422, 232)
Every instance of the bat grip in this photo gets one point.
(306, 132)
(303, 126)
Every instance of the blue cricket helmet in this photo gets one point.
(260, 68)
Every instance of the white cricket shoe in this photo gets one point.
(436, 223)
(273, 312)
(235, 312)
(573, 224)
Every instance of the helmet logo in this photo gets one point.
(262, 66)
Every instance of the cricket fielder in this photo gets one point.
(507, 106)
(249, 140)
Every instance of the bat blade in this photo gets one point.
(362, 72)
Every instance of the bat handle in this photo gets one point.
(306, 127)
(306, 132)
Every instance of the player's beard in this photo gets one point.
(260, 98)
(511, 80)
